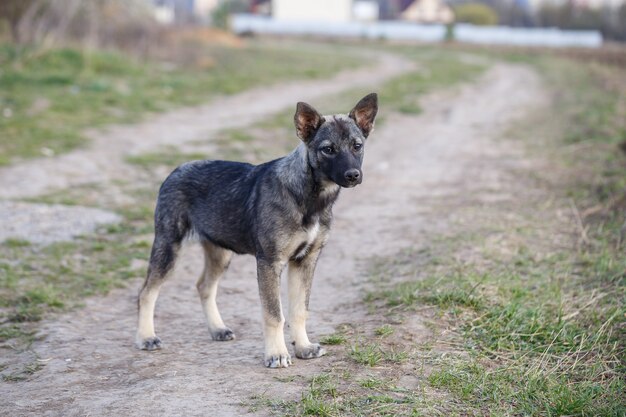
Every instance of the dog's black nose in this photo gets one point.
(352, 175)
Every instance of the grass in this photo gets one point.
(384, 331)
(48, 97)
(333, 339)
(366, 354)
(24, 373)
(16, 243)
(373, 354)
(499, 391)
(332, 394)
(536, 344)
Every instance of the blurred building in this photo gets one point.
(324, 10)
(428, 11)
(318, 10)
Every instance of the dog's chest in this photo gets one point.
(304, 240)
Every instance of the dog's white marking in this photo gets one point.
(328, 189)
(312, 232)
(297, 307)
(311, 235)
(276, 354)
(145, 329)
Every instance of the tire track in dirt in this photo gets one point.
(92, 367)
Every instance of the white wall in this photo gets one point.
(365, 11)
(312, 10)
(395, 30)
(247, 23)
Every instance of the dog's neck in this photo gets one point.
(307, 183)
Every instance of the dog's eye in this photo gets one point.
(328, 150)
(358, 146)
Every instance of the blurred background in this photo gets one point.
(135, 23)
(514, 247)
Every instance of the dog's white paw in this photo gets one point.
(281, 360)
(223, 335)
(149, 343)
(314, 350)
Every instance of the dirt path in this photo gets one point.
(412, 163)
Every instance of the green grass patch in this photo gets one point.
(517, 391)
(366, 354)
(372, 382)
(529, 332)
(444, 292)
(333, 339)
(28, 370)
(373, 354)
(15, 243)
(384, 331)
(329, 394)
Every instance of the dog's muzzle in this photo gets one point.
(353, 177)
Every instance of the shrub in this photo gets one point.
(476, 14)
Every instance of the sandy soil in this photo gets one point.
(412, 162)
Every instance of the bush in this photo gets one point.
(476, 14)
(222, 12)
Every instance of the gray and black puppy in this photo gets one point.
(279, 211)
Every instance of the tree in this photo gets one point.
(476, 14)
(12, 11)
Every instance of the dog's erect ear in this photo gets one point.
(307, 121)
(364, 113)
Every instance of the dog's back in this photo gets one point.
(210, 199)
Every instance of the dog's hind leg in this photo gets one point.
(300, 275)
(216, 261)
(162, 260)
(276, 354)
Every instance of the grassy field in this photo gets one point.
(47, 98)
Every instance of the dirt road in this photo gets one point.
(413, 163)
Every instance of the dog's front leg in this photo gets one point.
(276, 354)
(300, 281)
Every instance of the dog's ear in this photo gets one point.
(307, 121)
(364, 113)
